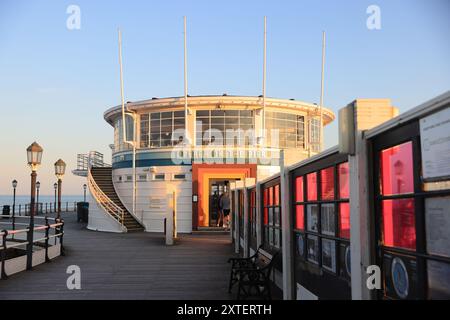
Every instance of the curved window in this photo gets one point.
(157, 129)
(314, 133)
(119, 144)
(285, 130)
(224, 127)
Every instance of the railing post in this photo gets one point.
(67, 206)
(3, 255)
(47, 233)
(61, 231)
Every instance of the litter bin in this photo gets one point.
(82, 211)
(6, 211)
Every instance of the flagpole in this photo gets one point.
(264, 80)
(185, 82)
(125, 138)
(321, 91)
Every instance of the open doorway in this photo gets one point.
(217, 187)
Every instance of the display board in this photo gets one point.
(435, 145)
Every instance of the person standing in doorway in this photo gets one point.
(224, 203)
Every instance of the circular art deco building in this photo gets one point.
(228, 138)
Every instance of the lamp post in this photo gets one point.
(34, 156)
(60, 169)
(84, 189)
(38, 185)
(55, 186)
(14, 185)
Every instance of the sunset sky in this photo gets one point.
(55, 83)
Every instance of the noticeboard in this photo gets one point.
(435, 145)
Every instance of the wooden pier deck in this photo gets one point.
(128, 266)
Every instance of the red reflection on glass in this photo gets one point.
(299, 217)
(399, 224)
(396, 166)
(252, 198)
(266, 203)
(270, 196)
(327, 183)
(344, 220)
(299, 189)
(344, 186)
(276, 191)
(311, 179)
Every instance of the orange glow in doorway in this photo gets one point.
(202, 175)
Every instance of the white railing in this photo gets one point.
(104, 201)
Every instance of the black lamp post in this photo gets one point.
(60, 169)
(38, 186)
(84, 189)
(14, 185)
(55, 186)
(34, 157)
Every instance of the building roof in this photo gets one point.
(225, 100)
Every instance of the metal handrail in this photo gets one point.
(104, 201)
(50, 223)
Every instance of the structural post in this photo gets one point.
(231, 212)
(359, 219)
(258, 215)
(30, 233)
(246, 222)
(287, 234)
(59, 198)
(236, 221)
(170, 224)
(174, 214)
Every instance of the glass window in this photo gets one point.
(225, 124)
(276, 195)
(311, 190)
(312, 244)
(327, 218)
(327, 183)
(344, 177)
(289, 129)
(299, 189)
(314, 132)
(270, 196)
(344, 220)
(399, 227)
(396, 166)
(144, 141)
(313, 217)
(299, 217)
(162, 126)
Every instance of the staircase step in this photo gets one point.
(103, 178)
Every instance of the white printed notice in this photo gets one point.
(437, 222)
(435, 145)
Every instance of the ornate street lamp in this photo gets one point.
(38, 186)
(55, 186)
(60, 169)
(84, 189)
(34, 156)
(14, 185)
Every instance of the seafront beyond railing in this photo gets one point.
(40, 208)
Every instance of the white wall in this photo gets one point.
(98, 219)
(150, 192)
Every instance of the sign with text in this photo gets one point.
(435, 145)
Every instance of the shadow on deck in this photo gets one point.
(129, 266)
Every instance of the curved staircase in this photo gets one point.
(102, 188)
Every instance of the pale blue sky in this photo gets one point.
(55, 83)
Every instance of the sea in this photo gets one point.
(23, 199)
